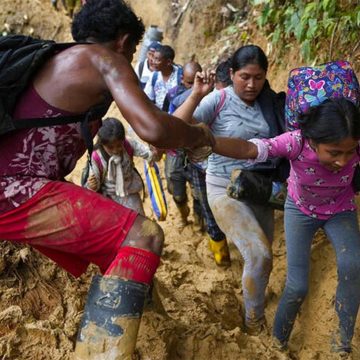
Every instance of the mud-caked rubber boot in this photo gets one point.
(184, 213)
(111, 319)
(220, 251)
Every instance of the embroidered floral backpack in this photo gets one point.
(310, 86)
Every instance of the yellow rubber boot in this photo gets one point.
(221, 252)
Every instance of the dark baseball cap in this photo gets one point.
(154, 46)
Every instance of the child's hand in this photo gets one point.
(92, 183)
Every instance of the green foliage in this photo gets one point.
(315, 25)
(232, 29)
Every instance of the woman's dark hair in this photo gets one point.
(222, 73)
(105, 20)
(331, 121)
(249, 54)
(111, 129)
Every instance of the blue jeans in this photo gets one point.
(342, 229)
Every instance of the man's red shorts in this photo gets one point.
(71, 225)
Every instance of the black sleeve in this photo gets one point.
(279, 109)
(272, 109)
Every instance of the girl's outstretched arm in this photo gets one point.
(235, 148)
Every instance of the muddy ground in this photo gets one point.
(197, 308)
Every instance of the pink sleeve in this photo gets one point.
(287, 145)
(96, 161)
(263, 150)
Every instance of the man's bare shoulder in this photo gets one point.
(79, 70)
(100, 57)
(93, 55)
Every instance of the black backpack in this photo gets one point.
(20, 58)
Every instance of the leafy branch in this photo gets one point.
(314, 25)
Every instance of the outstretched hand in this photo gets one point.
(203, 83)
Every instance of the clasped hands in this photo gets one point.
(202, 152)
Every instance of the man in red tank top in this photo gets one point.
(70, 224)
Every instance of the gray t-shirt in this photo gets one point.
(236, 120)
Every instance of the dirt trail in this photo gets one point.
(197, 308)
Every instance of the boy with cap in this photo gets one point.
(145, 68)
(166, 75)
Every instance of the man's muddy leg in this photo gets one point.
(115, 302)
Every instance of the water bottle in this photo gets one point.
(153, 33)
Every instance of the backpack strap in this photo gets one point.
(141, 68)
(179, 75)
(219, 106)
(21, 57)
(96, 112)
(153, 82)
(42, 122)
(98, 162)
(89, 165)
(154, 78)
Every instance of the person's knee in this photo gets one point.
(297, 291)
(145, 234)
(265, 265)
(259, 259)
(170, 187)
(152, 236)
(349, 269)
(180, 199)
(258, 268)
